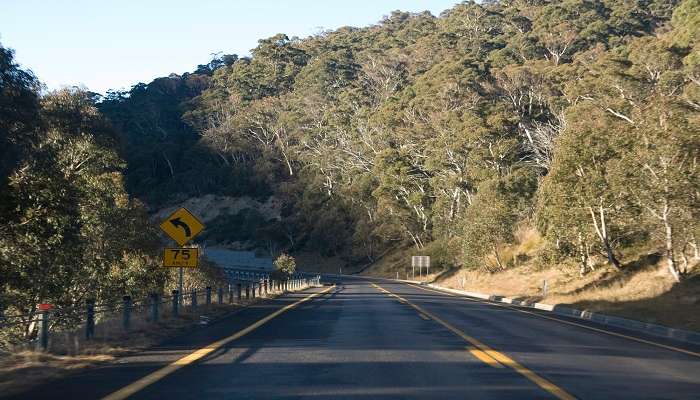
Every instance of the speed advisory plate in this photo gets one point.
(181, 257)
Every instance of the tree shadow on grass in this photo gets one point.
(621, 277)
(446, 274)
(677, 307)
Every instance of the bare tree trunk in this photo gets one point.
(289, 163)
(684, 270)
(498, 258)
(602, 232)
(672, 268)
(583, 254)
(694, 245)
(172, 172)
(414, 238)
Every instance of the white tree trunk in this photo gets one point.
(672, 268)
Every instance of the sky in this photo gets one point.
(109, 44)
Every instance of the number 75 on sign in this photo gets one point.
(181, 257)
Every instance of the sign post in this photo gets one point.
(181, 257)
(420, 262)
(182, 226)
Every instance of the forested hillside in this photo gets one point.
(578, 120)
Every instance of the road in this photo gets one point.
(378, 339)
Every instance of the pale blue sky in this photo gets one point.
(109, 44)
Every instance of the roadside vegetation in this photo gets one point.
(575, 118)
(577, 121)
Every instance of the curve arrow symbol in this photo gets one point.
(179, 224)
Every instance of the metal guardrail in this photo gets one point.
(243, 284)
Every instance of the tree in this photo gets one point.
(74, 232)
(286, 266)
(19, 108)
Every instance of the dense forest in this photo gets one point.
(577, 118)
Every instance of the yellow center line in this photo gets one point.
(153, 377)
(484, 357)
(655, 344)
(496, 355)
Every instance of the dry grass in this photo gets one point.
(648, 294)
(642, 290)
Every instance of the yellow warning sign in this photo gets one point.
(182, 226)
(182, 257)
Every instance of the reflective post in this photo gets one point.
(43, 343)
(155, 302)
(176, 302)
(126, 315)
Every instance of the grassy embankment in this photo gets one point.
(641, 290)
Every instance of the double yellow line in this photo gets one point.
(154, 377)
(487, 354)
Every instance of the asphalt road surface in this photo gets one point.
(377, 339)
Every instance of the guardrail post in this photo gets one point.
(247, 291)
(208, 291)
(176, 301)
(155, 302)
(89, 319)
(194, 299)
(43, 343)
(126, 315)
(220, 295)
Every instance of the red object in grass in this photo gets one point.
(44, 307)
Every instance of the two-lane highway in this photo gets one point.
(378, 339)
